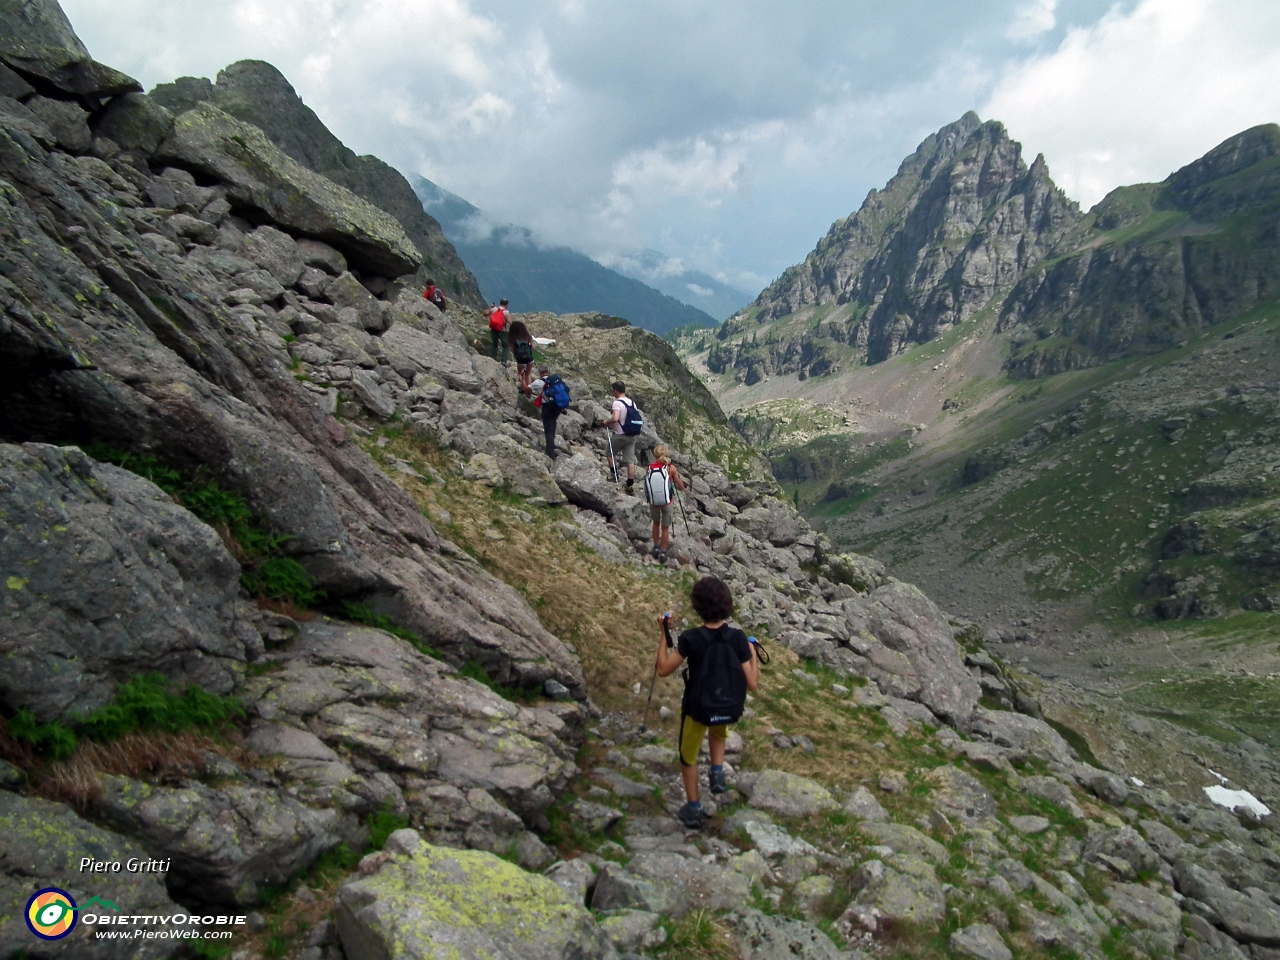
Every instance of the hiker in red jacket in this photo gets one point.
(434, 295)
(499, 317)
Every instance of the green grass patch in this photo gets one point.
(147, 703)
(475, 671)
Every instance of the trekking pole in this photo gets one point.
(666, 632)
(613, 464)
(685, 515)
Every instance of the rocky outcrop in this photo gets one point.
(161, 331)
(1179, 266)
(257, 93)
(107, 578)
(41, 52)
(261, 178)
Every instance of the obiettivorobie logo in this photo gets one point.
(52, 913)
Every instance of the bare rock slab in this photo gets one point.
(980, 940)
(786, 793)
(428, 901)
(762, 937)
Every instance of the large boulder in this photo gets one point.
(43, 845)
(260, 176)
(428, 901)
(37, 40)
(449, 363)
(910, 650)
(106, 578)
(1249, 919)
(1024, 735)
(225, 843)
(135, 122)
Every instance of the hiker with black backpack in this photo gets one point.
(659, 490)
(625, 423)
(521, 341)
(722, 667)
(553, 400)
(499, 317)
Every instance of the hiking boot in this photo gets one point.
(717, 781)
(656, 550)
(691, 816)
(630, 484)
(662, 556)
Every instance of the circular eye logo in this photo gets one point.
(51, 913)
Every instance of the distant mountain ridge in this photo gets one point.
(510, 261)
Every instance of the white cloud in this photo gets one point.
(698, 291)
(1034, 18)
(1141, 93)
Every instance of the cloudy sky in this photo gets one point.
(727, 134)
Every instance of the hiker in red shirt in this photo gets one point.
(499, 317)
(433, 295)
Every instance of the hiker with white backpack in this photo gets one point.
(625, 424)
(660, 484)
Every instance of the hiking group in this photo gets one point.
(721, 662)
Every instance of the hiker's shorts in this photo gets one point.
(660, 515)
(691, 734)
(624, 447)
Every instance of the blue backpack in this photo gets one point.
(633, 422)
(556, 392)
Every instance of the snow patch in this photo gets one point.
(1235, 799)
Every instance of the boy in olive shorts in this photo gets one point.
(713, 603)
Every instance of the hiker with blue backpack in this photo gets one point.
(722, 667)
(553, 400)
(660, 485)
(624, 425)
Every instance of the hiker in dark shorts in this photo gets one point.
(714, 651)
(547, 407)
(521, 341)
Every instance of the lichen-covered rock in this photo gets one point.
(1025, 735)
(786, 793)
(962, 798)
(980, 940)
(433, 902)
(1158, 917)
(762, 937)
(1249, 919)
(105, 577)
(888, 894)
(225, 843)
(258, 174)
(42, 847)
(905, 839)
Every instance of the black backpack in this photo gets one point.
(523, 351)
(717, 693)
(633, 422)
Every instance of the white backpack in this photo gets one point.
(657, 485)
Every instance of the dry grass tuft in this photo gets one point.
(156, 756)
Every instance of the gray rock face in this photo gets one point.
(225, 843)
(107, 578)
(670, 884)
(906, 840)
(1023, 734)
(37, 40)
(68, 122)
(43, 845)
(1055, 791)
(376, 703)
(1106, 786)
(912, 654)
(885, 893)
(1121, 850)
(980, 940)
(449, 363)
(962, 798)
(863, 805)
(135, 122)
(424, 897)
(1157, 915)
(259, 175)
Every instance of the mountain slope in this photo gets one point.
(258, 93)
(1155, 264)
(510, 262)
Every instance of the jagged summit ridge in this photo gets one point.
(962, 219)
